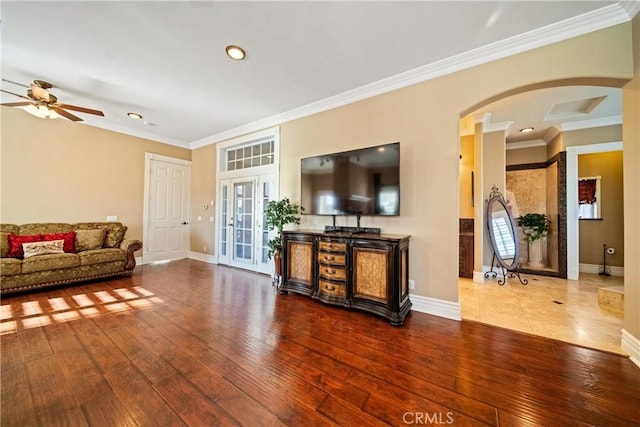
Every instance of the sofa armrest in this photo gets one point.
(130, 246)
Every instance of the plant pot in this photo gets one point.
(536, 259)
(277, 259)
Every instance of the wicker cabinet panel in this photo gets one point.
(370, 273)
(300, 260)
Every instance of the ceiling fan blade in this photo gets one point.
(81, 109)
(15, 94)
(17, 104)
(66, 114)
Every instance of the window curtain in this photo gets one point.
(587, 191)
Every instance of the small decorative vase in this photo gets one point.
(536, 259)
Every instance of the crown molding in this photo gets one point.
(499, 126)
(632, 7)
(525, 144)
(604, 17)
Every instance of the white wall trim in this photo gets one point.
(198, 256)
(607, 16)
(525, 144)
(631, 345)
(478, 277)
(436, 307)
(595, 269)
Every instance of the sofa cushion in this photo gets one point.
(42, 248)
(87, 240)
(50, 262)
(15, 244)
(98, 256)
(115, 236)
(114, 230)
(4, 244)
(9, 266)
(45, 228)
(69, 240)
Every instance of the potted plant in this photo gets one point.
(278, 214)
(535, 226)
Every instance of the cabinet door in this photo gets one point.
(371, 268)
(300, 261)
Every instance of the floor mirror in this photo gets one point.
(504, 239)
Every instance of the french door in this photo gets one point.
(243, 235)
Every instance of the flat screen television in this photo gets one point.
(357, 182)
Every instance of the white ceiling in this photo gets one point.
(166, 60)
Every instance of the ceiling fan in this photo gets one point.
(45, 105)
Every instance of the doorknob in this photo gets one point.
(185, 223)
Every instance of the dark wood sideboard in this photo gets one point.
(362, 271)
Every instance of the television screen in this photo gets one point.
(358, 182)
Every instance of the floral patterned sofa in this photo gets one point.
(48, 254)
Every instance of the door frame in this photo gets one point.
(148, 157)
(223, 174)
(573, 224)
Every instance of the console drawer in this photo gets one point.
(332, 246)
(331, 258)
(333, 289)
(332, 273)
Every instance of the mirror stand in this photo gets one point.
(505, 273)
(504, 239)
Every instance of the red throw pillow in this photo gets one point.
(15, 244)
(69, 238)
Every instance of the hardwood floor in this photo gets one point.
(189, 343)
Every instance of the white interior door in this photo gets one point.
(168, 210)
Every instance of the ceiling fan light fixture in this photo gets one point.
(526, 130)
(135, 116)
(236, 52)
(41, 111)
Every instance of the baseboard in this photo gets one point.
(199, 256)
(595, 269)
(436, 307)
(631, 345)
(478, 276)
(138, 260)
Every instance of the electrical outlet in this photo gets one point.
(412, 284)
(204, 248)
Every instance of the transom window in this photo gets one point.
(248, 156)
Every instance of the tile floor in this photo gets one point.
(565, 310)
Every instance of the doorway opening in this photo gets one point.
(247, 180)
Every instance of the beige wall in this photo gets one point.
(523, 156)
(631, 141)
(466, 167)
(493, 173)
(609, 230)
(203, 191)
(597, 135)
(60, 171)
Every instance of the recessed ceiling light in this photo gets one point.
(526, 130)
(135, 116)
(236, 52)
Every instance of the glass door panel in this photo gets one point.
(243, 212)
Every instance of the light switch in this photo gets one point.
(210, 219)
(199, 218)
